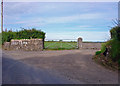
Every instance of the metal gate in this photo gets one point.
(63, 44)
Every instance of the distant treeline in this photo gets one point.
(22, 34)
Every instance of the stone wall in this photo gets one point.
(24, 44)
(38, 44)
(89, 45)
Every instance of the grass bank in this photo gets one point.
(109, 55)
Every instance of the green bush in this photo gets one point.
(114, 43)
(98, 52)
(114, 46)
(103, 47)
(115, 33)
(119, 62)
(23, 34)
(115, 50)
(27, 34)
(7, 36)
(0, 40)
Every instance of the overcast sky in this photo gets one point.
(63, 20)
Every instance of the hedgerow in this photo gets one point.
(113, 45)
(22, 34)
(0, 40)
(115, 33)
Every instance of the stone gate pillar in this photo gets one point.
(79, 43)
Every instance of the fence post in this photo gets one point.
(61, 44)
(79, 43)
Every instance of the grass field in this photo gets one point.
(60, 45)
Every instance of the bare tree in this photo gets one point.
(116, 22)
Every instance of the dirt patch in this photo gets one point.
(106, 62)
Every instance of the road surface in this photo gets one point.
(55, 67)
(16, 72)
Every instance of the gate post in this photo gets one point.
(43, 44)
(79, 43)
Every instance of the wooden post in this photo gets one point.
(79, 43)
(2, 16)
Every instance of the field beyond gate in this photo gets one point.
(60, 45)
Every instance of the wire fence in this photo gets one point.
(65, 40)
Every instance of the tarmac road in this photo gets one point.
(16, 72)
(55, 67)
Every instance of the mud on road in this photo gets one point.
(76, 65)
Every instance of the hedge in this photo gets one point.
(23, 34)
(115, 33)
(114, 44)
(0, 39)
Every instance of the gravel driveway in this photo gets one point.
(74, 65)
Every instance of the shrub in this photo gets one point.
(98, 52)
(103, 47)
(0, 39)
(115, 33)
(115, 50)
(7, 36)
(114, 46)
(23, 34)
